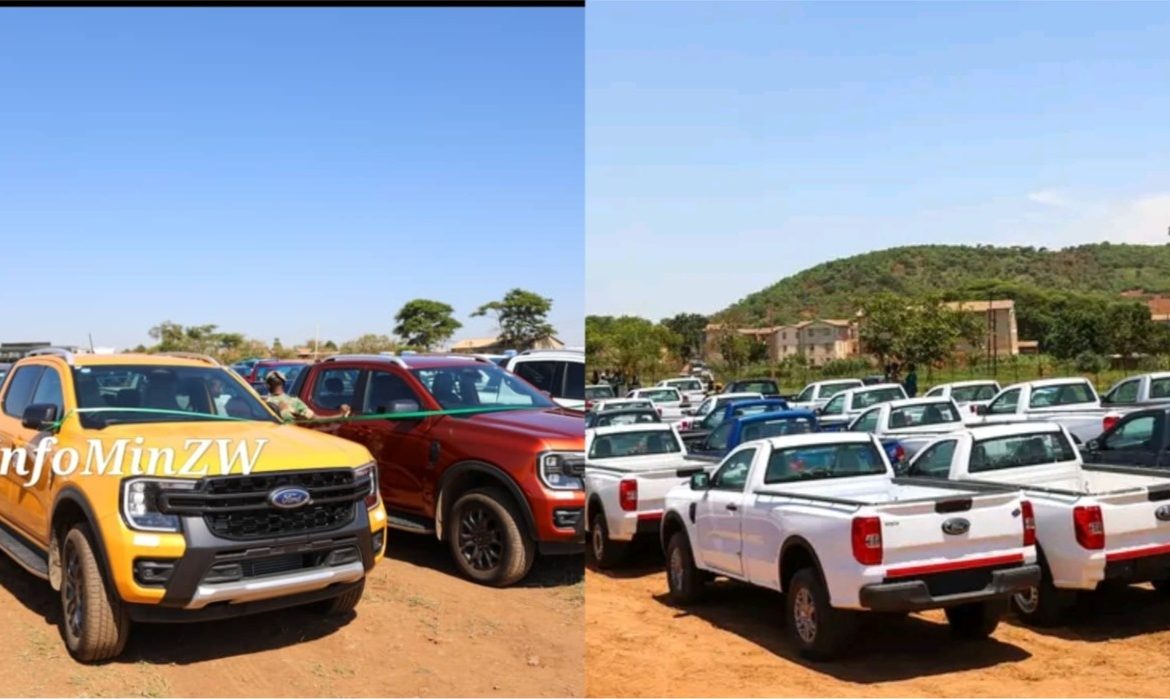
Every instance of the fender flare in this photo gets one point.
(798, 541)
(73, 494)
(671, 520)
(497, 474)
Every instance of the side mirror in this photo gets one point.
(820, 411)
(1093, 445)
(981, 410)
(38, 415)
(404, 406)
(700, 481)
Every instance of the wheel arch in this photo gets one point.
(70, 507)
(466, 475)
(671, 524)
(796, 553)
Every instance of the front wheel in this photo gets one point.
(819, 631)
(976, 620)
(606, 552)
(486, 539)
(682, 576)
(93, 622)
(341, 604)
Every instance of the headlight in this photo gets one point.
(140, 503)
(370, 471)
(561, 470)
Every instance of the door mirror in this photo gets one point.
(700, 481)
(38, 416)
(1093, 445)
(404, 406)
(981, 410)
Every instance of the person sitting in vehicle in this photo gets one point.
(286, 406)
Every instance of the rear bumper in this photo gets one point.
(1138, 566)
(915, 595)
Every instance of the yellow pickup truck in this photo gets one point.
(160, 488)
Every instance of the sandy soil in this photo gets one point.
(420, 630)
(733, 644)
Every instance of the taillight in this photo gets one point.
(1089, 526)
(867, 540)
(628, 495)
(1109, 421)
(1029, 518)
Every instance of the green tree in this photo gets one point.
(368, 344)
(522, 317)
(690, 328)
(425, 324)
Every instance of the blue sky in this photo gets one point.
(272, 170)
(732, 144)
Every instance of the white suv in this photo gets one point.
(561, 373)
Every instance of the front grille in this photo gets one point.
(237, 507)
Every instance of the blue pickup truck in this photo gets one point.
(738, 408)
(737, 430)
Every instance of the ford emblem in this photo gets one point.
(289, 498)
(956, 526)
(1163, 513)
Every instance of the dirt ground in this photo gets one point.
(733, 644)
(419, 630)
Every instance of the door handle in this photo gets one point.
(732, 506)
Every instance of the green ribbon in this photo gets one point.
(411, 415)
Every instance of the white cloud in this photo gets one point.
(1142, 220)
(1050, 197)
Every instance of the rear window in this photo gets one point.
(631, 418)
(1063, 394)
(685, 384)
(659, 395)
(1020, 450)
(633, 444)
(1160, 388)
(831, 389)
(864, 399)
(966, 394)
(755, 387)
(824, 461)
(922, 415)
(595, 392)
(775, 428)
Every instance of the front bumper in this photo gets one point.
(916, 595)
(217, 577)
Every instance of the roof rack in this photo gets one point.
(62, 352)
(366, 358)
(205, 358)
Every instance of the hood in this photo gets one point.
(286, 447)
(553, 425)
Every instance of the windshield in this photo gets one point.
(633, 444)
(755, 387)
(824, 461)
(660, 395)
(135, 391)
(595, 392)
(966, 394)
(479, 385)
(685, 384)
(290, 371)
(1020, 450)
(831, 389)
(921, 415)
(864, 399)
(1062, 394)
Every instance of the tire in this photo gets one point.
(486, 539)
(685, 580)
(341, 604)
(93, 624)
(819, 631)
(605, 552)
(977, 620)
(1042, 605)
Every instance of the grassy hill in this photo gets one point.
(831, 290)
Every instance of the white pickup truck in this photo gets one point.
(821, 518)
(913, 422)
(848, 404)
(690, 387)
(968, 395)
(1093, 523)
(669, 402)
(1144, 390)
(1070, 402)
(628, 469)
(816, 394)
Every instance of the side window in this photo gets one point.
(806, 395)
(49, 391)
(1133, 434)
(539, 374)
(1005, 404)
(387, 392)
(1159, 388)
(718, 438)
(335, 387)
(935, 462)
(20, 390)
(574, 381)
(835, 406)
(867, 422)
(1126, 392)
(732, 475)
(937, 391)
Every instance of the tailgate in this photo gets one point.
(951, 531)
(653, 486)
(1137, 522)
